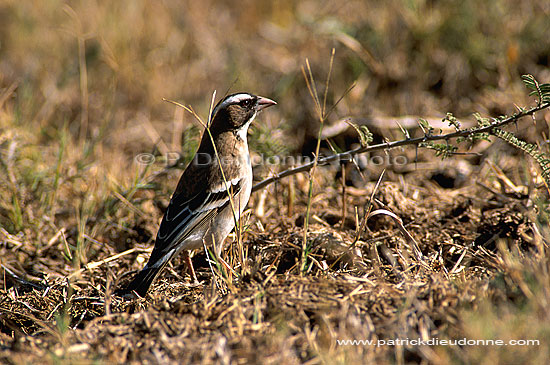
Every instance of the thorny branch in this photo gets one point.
(404, 142)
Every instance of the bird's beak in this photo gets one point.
(264, 103)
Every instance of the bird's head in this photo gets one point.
(235, 112)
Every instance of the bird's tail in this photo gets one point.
(141, 282)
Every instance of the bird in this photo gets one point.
(211, 193)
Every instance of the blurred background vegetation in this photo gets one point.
(406, 57)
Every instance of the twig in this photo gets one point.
(96, 264)
(310, 82)
(81, 38)
(394, 144)
(8, 93)
(344, 200)
(408, 237)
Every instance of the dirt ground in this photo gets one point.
(478, 246)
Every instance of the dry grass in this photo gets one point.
(81, 93)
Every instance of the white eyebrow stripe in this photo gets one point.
(235, 99)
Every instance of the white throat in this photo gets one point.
(243, 130)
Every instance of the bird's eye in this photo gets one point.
(245, 103)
